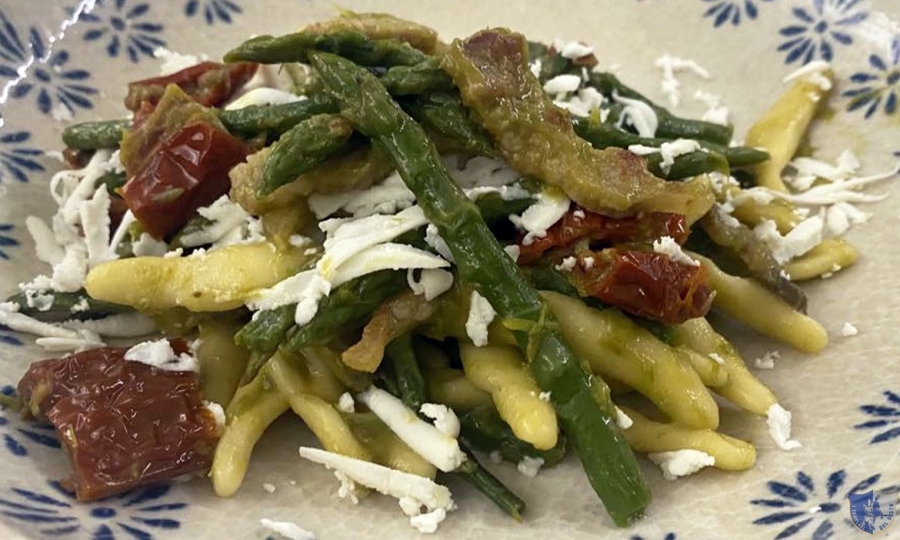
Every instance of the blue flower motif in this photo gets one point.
(886, 418)
(802, 504)
(15, 50)
(668, 536)
(213, 10)
(16, 438)
(16, 160)
(6, 241)
(124, 26)
(51, 80)
(9, 338)
(724, 11)
(882, 85)
(815, 29)
(133, 515)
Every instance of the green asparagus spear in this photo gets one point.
(246, 122)
(346, 307)
(551, 65)
(445, 115)
(472, 472)
(303, 147)
(113, 181)
(581, 401)
(482, 429)
(266, 330)
(66, 306)
(418, 79)
(349, 43)
(670, 126)
(410, 383)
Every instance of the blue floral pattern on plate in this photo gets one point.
(818, 28)
(8, 337)
(15, 50)
(880, 86)
(213, 10)
(803, 504)
(16, 437)
(132, 515)
(124, 25)
(6, 240)
(886, 418)
(17, 159)
(732, 11)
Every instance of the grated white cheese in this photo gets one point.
(513, 250)
(229, 224)
(639, 115)
(567, 264)
(481, 314)
(530, 466)
(668, 151)
(349, 490)
(432, 282)
(445, 419)
(623, 420)
(10, 316)
(218, 413)
(812, 72)
(669, 247)
(670, 65)
(535, 67)
(346, 404)
(173, 61)
(412, 491)
(583, 102)
(387, 197)
(269, 488)
(681, 462)
(263, 96)
(120, 325)
(849, 330)
(438, 448)
(802, 238)
(544, 396)
(572, 49)
(717, 359)
(779, 421)
(159, 354)
(588, 263)
(562, 84)
(550, 207)
(767, 360)
(437, 243)
(147, 246)
(716, 112)
(386, 256)
(289, 530)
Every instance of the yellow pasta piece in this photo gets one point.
(647, 436)
(219, 280)
(617, 347)
(451, 387)
(743, 388)
(222, 363)
(831, 255)
(250, 413)
(501, 371)
(781, 129)
(387, 449)
(763, 310)
(710, 371)
(320, 416)
(779, 211)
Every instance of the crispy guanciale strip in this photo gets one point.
(581, 401)
(124, 424)
(188, 155)
(537, 139)
(644, 283)
(382, 26)
(579, 224)
(208, 83)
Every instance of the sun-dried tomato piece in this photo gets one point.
(124, 424)
(644, 283)
(208, 83)
(578, 224)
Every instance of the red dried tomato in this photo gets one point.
(208, 83)
(124, 424)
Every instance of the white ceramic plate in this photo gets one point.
(846, 401)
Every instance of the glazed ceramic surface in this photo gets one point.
(61, 61)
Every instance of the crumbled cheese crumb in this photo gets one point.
(669, 247)
(716, 112)
(159, 354)
(623, 420)
(567, 264)
(289, 530)
(562, 84)
(348, 489)
(530, 466)
(849, 330)
(670, 65)
(513, 250)
(269, 488)
(445, 419)
(815, 509)
(572, 49)
(432, 282)
(779, 422)
(217, 412)
(717, 359)
(681, 462)
(345, 403)
(550, 207)
(767, 361)
(481, 314)
(639, 115)
(588, 263)
(544, 396)
(668, 151)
